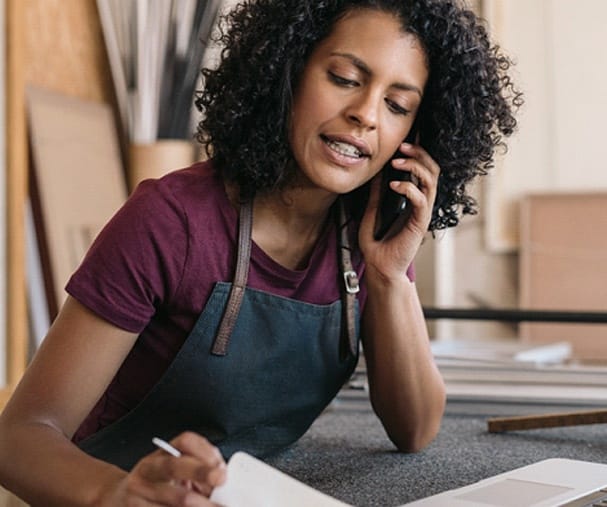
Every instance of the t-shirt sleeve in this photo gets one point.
(137, 261)
(411, 272)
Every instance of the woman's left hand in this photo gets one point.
(391, 256)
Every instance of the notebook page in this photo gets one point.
(252, 483)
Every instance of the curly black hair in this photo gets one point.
(468, 107)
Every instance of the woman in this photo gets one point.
(221, 307)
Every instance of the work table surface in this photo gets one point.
(347, 454)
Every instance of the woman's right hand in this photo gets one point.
(38, 461)
(162, 479)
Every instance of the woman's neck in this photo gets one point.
(287, 224)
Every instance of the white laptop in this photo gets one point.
(548, 483)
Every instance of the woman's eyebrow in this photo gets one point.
(364, 68)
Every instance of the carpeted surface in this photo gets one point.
(347, 454)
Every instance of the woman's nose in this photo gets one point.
(363, 111)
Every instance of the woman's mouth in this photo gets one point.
(344, 148)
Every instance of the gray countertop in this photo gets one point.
(347, 454)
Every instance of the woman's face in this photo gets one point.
(356, 100)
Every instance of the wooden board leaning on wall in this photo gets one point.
(62, 49)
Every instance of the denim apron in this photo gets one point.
(252, 375)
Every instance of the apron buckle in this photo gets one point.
(351, 282)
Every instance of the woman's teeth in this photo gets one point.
(344, 148)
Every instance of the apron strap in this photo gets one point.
(351, 284)
(349, 290)
(228, 321)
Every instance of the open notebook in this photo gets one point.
(252, 483)
(548, 483)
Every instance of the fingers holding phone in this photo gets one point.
(410, 169)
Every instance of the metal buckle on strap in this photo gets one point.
(351, 282)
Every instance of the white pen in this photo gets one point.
(165, 446)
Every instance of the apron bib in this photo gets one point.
(253, 374)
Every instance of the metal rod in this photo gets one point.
(516, 315)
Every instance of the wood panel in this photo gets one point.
(16, 195)
(57, 44)
(563, 266)
(559, 140)
(65, 50)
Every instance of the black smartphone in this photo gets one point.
(394, 208)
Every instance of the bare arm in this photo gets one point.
(406, 388)
(69, 373)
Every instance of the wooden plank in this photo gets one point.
(65, 49)
(78, 189)
(17, 331)
(56, 44)
(556, 420)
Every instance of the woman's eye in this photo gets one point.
(396, 108)
(342, 81)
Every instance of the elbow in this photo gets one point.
(414, 440)
(412, 434)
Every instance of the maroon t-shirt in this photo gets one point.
(153, 267)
